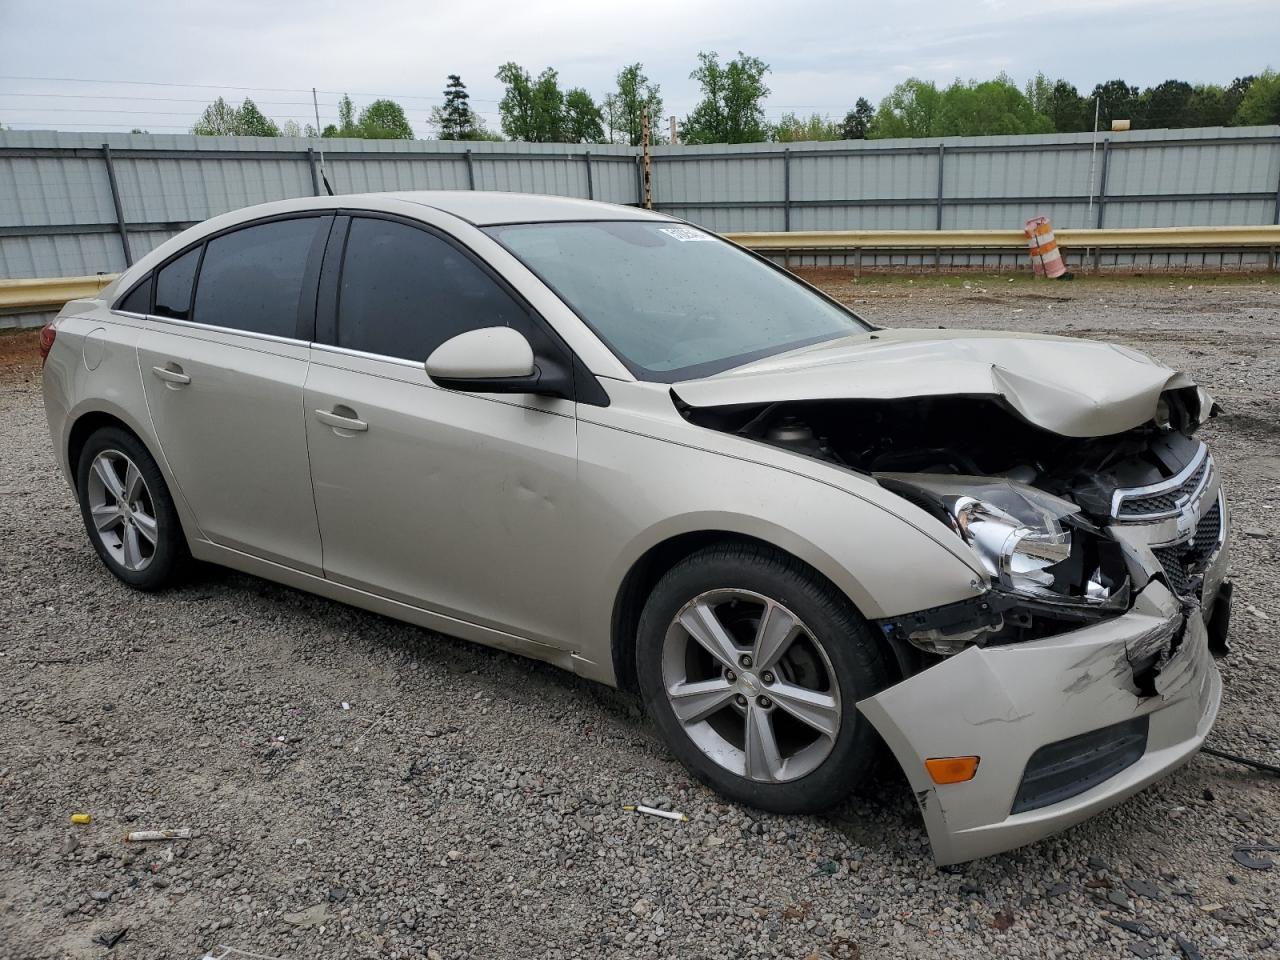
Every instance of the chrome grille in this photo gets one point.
(1167, 498)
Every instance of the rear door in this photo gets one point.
(462, 503)
(223, 361)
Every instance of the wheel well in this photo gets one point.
(644, 576)
(84, 428)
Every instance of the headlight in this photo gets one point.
(1015, 530)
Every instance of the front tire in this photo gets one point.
(127, 510)
(750, 665)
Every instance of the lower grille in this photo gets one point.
(1066, 769)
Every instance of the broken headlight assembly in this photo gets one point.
(1050, 568)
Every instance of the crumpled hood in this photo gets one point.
(1076, 388)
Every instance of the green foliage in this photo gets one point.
(384, 120)
(583, 121)
(793, 129)
(1061, 102)
(456, 120)
(917, 108)
(531, 110)
(1260, 103)
(346, 118)
(1119, 101)
(220, 119)
(731, 109)
(624, 108)
(857, 122)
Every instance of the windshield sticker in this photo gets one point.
(685, 234)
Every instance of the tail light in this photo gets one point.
(47, 335)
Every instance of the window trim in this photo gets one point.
(311, 277)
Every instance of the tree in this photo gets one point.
(531, 110)
(912, 109)
(1260, 103)
(290, 128)
(624, 108)
(857, 122)
(730, 110)
(1167, 105)
(1061, 102)
(384, 120)
(456, 120)
(1119, 102)
(583, 121)
(346, 118)
(991, 107)
(793, 129)
(220, 119)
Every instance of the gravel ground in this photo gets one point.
(359, 787)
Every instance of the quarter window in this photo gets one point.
(173, 286)
(138, 299)
(252, 279)
(404, 291)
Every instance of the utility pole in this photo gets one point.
(316, 105)
(647, 166)
(675, 130)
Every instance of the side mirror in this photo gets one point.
(494, 360)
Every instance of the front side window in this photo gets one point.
(672, 301)
(404, 291)
(252, 278)
(173, 286)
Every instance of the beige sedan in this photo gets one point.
(610, 440)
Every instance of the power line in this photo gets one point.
(213, 86)
(135, 96)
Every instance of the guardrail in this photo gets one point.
(49, 294)
(1146, 238)
(18, 295)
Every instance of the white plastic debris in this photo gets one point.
(654, 812)
(141, 836)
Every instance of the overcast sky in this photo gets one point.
(823, 53)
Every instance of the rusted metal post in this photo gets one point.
(115, 200)
(647, 162)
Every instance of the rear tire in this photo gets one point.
(127, 510)
(765, 717)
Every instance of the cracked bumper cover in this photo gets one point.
(1002, 703)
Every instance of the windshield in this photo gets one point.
(672, 301)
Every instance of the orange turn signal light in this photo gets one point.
(952, 769)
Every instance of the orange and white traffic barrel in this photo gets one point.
(1046, 258)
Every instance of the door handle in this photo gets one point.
(341, 422)
(174, 375)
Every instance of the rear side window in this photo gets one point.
(252, 279)
(405, 291)
(173, 286)
(139, 298)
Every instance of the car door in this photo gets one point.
(462, 503)
(223, 360)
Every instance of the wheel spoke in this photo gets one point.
(778, 628)
(702, 624)
(694, 702)
(132, 547)
(107, 474)
(105, 516)
(811, 707)
(764, 761)
(146, 526)
(133, 485)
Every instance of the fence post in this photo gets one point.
(471, 170)
(1102, 202)
(315, 180)
(1274, 264)
(786, 190)
(591, 190)
(937, 254)
(639, 181)
(115, 199)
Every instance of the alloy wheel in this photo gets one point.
(751, 685)
(123, 512)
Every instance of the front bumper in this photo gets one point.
(1003, 703)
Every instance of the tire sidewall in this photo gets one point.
(170, 546)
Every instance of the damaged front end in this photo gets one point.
(1084, 670)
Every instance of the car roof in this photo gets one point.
(487, 207)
